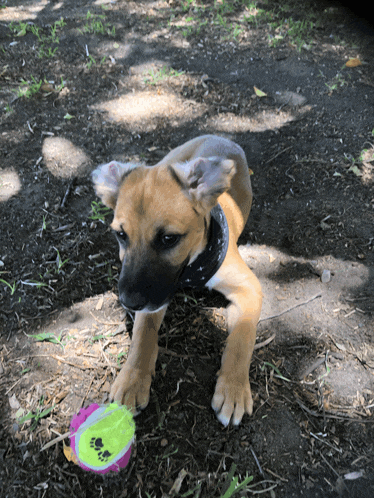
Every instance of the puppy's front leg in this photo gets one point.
(133, 383)
(232, 397)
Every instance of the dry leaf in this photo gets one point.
(69, 454)
(355, 170)
(178, 482)
(353, 62)
(106, 387)
(259, 92)
(99, 304)
(47, 87)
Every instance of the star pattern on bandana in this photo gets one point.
(200, 271)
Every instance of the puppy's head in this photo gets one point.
(161, 220)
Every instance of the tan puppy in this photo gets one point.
(168, 230)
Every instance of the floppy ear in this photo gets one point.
(205, 179)
(107, 179)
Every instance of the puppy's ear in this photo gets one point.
(107, 179)
(205, 179)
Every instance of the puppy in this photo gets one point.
(177, 224)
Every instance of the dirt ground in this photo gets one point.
(130, 81)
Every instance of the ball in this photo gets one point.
(101, 437)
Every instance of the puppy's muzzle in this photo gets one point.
(133, 302)
(148, 288)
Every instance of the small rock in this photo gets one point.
(289, 98)
(14, 403)
(326, 276)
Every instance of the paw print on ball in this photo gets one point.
(98, 445)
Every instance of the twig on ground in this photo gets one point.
(55, 441)
(339, 450)
(14, 385)
(66, 194)
(88, 389)
(319, 361)
(257, 463)
(329, 465)
(265, 343)
(278, 154)
(104, 323)
(291, 308)
(335, 417)
(85, 367)
(275, 475)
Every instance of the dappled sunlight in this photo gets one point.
(266, 120)
(25, 13)
(64, 159)
(143, 110)
(10, 184)
(367, 157)
(284, 277)
(58, 5)
(367, 174)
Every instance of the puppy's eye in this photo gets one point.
(122, 237)
(170, 240)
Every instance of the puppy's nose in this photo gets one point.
(134, 302)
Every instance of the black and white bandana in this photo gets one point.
(199, 272)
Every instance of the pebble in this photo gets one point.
(325, 276)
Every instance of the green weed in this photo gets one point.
(12, 287)
(48, 337)
(232, 486)
(28, 89)
(35, 283)
(275, 369)
(19, 29)
(59, 262)
(188, 4)
(92, 61)
(95, 24)
(99, 211)
(299, 32)
(35, 417)
(224, 7)
(337, 82)
(256, 15)
(110, 276)
(155, 76)
(61, 85)
(44, 226)
(8, 110)
(46, 38)
(233, 32)
(119, 356)
(96, 338)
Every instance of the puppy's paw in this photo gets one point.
(131, 388)
(232, 398)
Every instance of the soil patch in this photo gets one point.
(83, 83)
